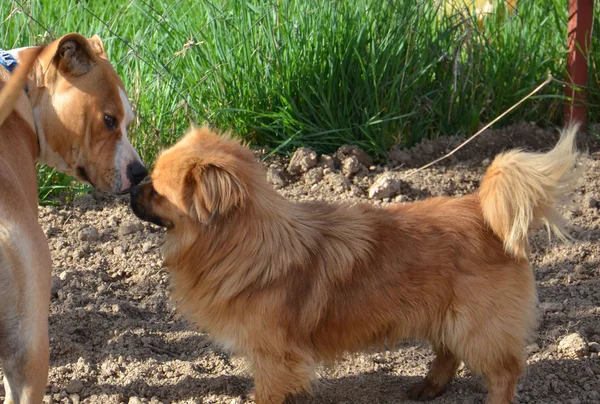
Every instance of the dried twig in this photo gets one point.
(538, 88)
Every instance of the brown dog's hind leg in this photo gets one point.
(502, 380)
(441, 372)
(278, 377)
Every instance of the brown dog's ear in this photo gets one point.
(212, 191)
(73, 55)
(98, 46)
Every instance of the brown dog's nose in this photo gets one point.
(136, 172)
(134, 192)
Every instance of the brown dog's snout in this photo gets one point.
(142, 205)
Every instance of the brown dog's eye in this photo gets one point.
(110, 122)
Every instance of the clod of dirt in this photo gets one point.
(350, 166)
(354, 151)
(327, 162)
(385, 186)
(130, 227)
(313, 176)
(573, 344)
(547, 307)
(275, 177)
(337, 182)
(591, 201)
(89, 233)
(74, 386)
(303, 160)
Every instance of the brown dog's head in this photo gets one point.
(82, 113)
(203, 179)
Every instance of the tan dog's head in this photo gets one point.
(203, 179)
(82, 114)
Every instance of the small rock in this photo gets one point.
(114, 221)
(401, 199)
(74, 386)
(147, 246)
(303, 160)
(65, 276)
(52, 231)
(594, 347)
(275, 177)
(573, 344)
(385, 186)
(89, 234)
(356, 191)
(486, 162)
(313, 176)
(352, 150)
(130, 227)
(547, 307)
(119, 251)
(74, 398)
(327, 161)
(134, 400)
(591, 202)
(532, 348)
(79, 252)
(350, 166)
(581, 271)
(337, 182)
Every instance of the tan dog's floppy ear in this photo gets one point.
(98, 46)
(212, 191)
(73, 55)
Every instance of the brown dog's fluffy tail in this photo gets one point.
(12, 90)
(521, 190)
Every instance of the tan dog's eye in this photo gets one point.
(110, 122)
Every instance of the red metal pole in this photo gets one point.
(579, 40)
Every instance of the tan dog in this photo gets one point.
(74, 116)
(290, 284)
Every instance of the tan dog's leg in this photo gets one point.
(24, 350)
(277, 377)
(26, 372)
(442, 371)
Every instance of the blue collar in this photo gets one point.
(9, 63)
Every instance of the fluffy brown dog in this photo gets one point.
(290, 284)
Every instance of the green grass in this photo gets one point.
(286, 73)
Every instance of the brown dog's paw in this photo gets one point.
(424, 391)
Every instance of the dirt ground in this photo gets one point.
(116, 338)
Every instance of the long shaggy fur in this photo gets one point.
(521, 190)
(291, 284)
